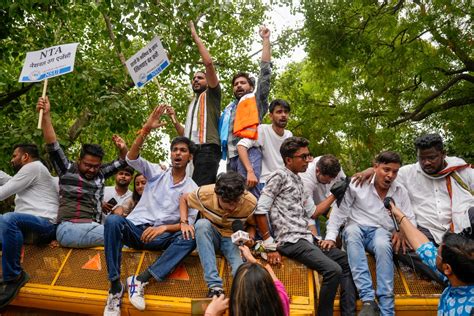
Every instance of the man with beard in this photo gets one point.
(241, 117)
(36, 210)
(265, 150)
(288, 207)
(154, 223)
(369, 227)
(202, 118)
(119, 193)
(81, 186)
(441, 194)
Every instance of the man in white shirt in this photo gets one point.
(322, 173)
(441, 194)
(257, 167)
(370, 227)
(154, 223)
(119, 193)
(36, 210)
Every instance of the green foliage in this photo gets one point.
(380, 73)
(98, 100)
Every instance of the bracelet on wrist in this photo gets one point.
(184, 221)
(401, 219)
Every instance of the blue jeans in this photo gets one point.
(378, 242)
(255, 157)
(119, 230)
(208, 240)
(13, 226)
(80, 235)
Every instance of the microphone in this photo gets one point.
(386, 203)
(239, 237)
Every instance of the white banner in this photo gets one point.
(49, 62)
(148, 62)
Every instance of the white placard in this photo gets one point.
(147, 63)
(49, 62)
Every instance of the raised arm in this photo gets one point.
(211, 75)
(177, 125)
(414, 236)
(266, 50)
(152, 122)
(48, 131)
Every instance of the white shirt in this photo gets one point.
(110, 192)
(269, 142)
(430, 198)
(36, 191)
(159, 204)
(315, 189)
(364, 207)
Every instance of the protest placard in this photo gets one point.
(147, 63)
(48, 62)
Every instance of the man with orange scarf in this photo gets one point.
(241, 117)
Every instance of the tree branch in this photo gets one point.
(114, 41)
(9, 97)
(439, 108)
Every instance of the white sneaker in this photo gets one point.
(112, 308)
(136, 292)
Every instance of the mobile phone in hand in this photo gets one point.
(112, 202)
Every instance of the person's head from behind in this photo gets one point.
(139, 182)
(199, 82)
(124, 176)
(90, 160)
(327, 169)
(230, 187)
(386, 167)
(23, 154)
(430, 153)
(182, 150)
(295, 154)
(253, 292)
(456, 258)
(279, 112)
(242, 84)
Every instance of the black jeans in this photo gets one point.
(206, 162)
(333, 266)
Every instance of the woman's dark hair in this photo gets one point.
(230, 186)
(458, 252)
(135, 196)
(254, 293)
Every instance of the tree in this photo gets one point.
(98, 98)
(379, 73)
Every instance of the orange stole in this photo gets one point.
(246, 118)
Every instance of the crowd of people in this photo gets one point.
(421, 213)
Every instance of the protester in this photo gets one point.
(154, 223)
(369, 227)
(220, 205)
(139, 182)
(81, 185)
(114, 196)
(36, 210)
(453, 261)
(266, 157)
(241, 117)
(202, 117)
(322, 173)
(441, 194)
(289, 208)
(251, 278)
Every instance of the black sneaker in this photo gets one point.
(10, 289)
(369, 308)
(217, 291)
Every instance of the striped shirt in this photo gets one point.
(79, 198)
(204, 199)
